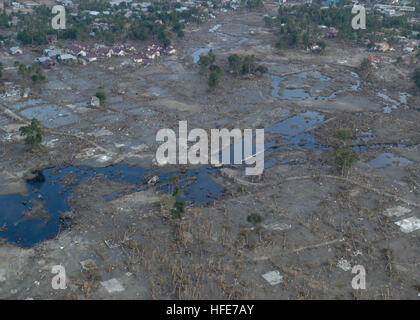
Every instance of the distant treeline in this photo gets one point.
(33, 28)
(298, 25)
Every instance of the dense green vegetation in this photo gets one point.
(4, 20)
(175, 191)
(255, 219)
(252, 4)
(245, 65)
(32, 133)
(343, 134)
(33, 28)
(34, 71)
(214, 76)
(208, 61)
(101, 96)
(298, 25)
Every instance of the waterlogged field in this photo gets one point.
(340, 185)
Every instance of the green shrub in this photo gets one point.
(101, 96)
(255, 219)
(344, 158)
(32, 133)
(343, 134)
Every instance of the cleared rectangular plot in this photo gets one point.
(24, 104)
(125, 105)
(51, 116)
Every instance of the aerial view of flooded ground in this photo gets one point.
(332, 213)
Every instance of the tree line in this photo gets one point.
(33, 28)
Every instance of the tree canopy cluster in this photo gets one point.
(32, 133)
(237, 64)
(245, 65)
(252, 4)
(298, 25)
(209, 61)
(34, 71)
(33, 28)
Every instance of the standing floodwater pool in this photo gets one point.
(37, 215)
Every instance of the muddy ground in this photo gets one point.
(317, 222)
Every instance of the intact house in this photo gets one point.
(129, 47)
(409, 48)
(67, 58)
(47, 62)
(170, 50)
(382, 46)
(118, 51)
(107, 52)
(52, 52)
(150, 54)
(91, 57)
(315, 48)
(331, 33)
(77, 51)
(16, 50)
(153, 51)
(138, 59)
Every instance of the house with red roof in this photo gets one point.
(81, 44)
(374, 59)
(107, 52)
(75, 51)
(331, 33)
(91, 57)
(118, 51)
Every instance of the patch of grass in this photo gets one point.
(343, 134)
